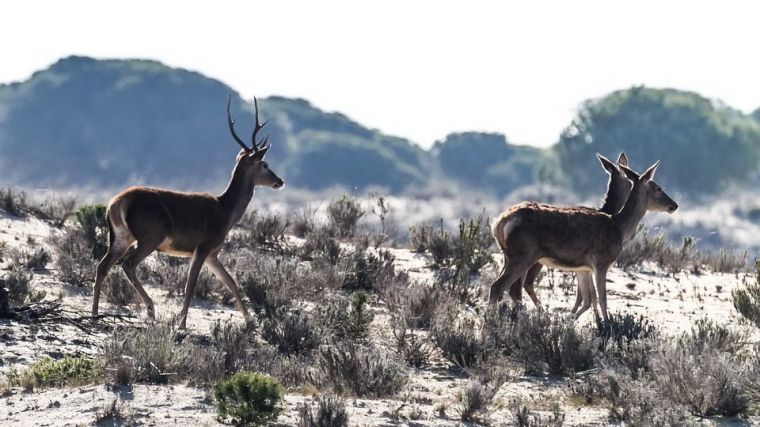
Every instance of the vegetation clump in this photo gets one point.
(247, 398)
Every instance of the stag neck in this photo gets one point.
(632, 213)
(237, 196)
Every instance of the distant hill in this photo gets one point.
(106, 123)
(84, 122)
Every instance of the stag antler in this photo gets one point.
(231, 124)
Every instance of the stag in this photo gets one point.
(618, 189)
(185, 224)
(572, 238)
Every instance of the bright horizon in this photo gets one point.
(411, 70)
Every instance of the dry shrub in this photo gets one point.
(330, 412)
(343, 216)
(546, 342)
(293, 332)
(362, 371)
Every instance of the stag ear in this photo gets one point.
(633, 176)
(622, 159)
(259, 154)
(607, 164)
(648, 174)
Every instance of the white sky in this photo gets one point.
(414, 69)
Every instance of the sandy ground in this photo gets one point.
(430, 399)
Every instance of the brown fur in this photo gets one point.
(183, 224)
(573, 238)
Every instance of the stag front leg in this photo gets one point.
(221, 273)
(196, 262)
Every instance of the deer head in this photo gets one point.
(618, 187)
(251, 159)
(652, 195)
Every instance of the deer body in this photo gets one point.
(618, 190)
(572, 237)
(184, 224)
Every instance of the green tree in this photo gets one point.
(704, 146)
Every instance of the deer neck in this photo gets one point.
(614, 199)
(237, 196)
(632, 213)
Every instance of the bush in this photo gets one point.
(348, 320)
(343, 216)
(91, 219)
(622, 329)
(321, 247)
(418, 302)
(747, 299)
(292, 332)
(75, 263)
(303, 222)
(247, 398)
(330, 412)
(37, 259)
(360, 370)
(264, 231)
(707, 383)
(117, 290)
(150, 355)
(69, 371)
(271, 283)
(547, 342)
(414, 348)
(460, 342)
(13, 202)
(706, 335)
(18, 284)
(370, 271)
(467, 252)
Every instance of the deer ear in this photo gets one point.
(259, 154)
(633, 176)
(648, 174)
(622, 159)
(606, 164)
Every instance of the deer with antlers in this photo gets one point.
(572, 238)
(618, 190)
(185, 224)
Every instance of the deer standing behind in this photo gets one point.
(571, 238)
(185, 224)
(618, 190)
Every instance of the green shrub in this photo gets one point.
(69, 371)
(747, 299)
(248, 398)
(91, 219)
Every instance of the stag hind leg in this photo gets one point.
(144, 248)
(196, 262)
(119, 242)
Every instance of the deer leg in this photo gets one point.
(601, 284)
(196, 262)
(216, 267)
(585, 284)
(116, 250)
(514, 270)
(529, 280)
(144, 248)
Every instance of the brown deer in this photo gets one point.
(572, 238)
(618, 189)
(185, 224)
